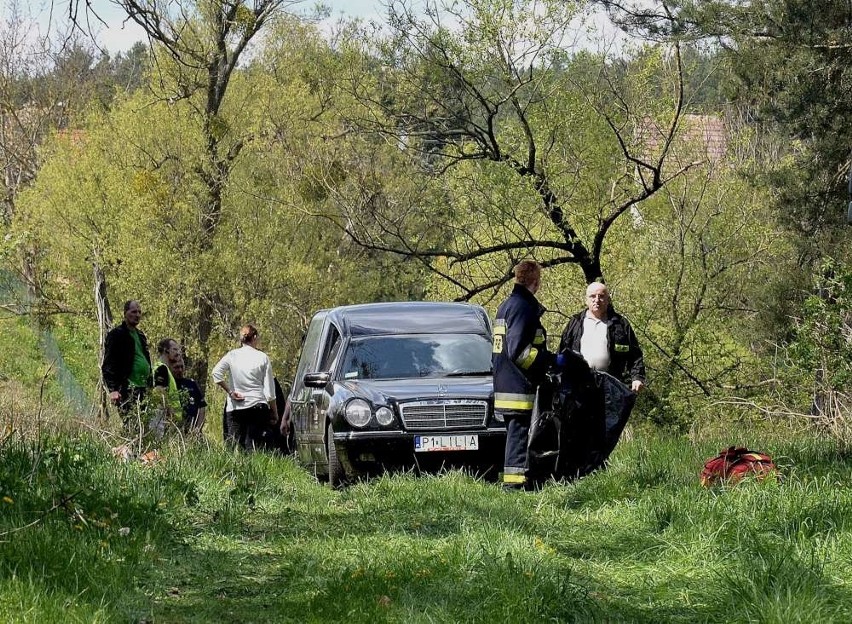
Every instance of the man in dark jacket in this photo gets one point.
(520, 360)
(605, 339)
(126, 368)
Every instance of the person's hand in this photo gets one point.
(115, 397)
(285, 426)
(236, 396)
(637, 385)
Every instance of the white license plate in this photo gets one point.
(425, 443)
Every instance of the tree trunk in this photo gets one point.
(592, 269)
(201, 367)
(104, 325)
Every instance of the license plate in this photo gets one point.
(426, 443)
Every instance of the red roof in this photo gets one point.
(698, 137)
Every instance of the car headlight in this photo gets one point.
(357, 413)
(384, 415)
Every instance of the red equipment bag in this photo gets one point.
(734, 463)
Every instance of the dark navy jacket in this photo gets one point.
(519, 355)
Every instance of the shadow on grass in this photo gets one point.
(371, 578)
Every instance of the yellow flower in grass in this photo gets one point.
(8, 500)
(541, 545)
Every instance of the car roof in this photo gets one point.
(410, 317)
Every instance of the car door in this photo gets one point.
(319, 398)
(308, 440)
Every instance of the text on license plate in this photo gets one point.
(424, 443)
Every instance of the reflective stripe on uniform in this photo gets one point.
(499, 336)
(527, 357)
(514, 475)
(512, 401)
(539, 337)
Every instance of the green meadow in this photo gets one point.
(205, 535)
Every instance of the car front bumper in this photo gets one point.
(359, 449)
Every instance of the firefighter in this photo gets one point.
(520, 360)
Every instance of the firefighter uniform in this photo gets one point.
(520, 360)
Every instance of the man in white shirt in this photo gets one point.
(245, 374)
(605, 339)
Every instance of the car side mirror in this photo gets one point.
(316, 380)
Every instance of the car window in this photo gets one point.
(308, 357)
(332, 347)
(390, 357)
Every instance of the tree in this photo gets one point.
(480, 96)
(197, 47)
(123, 195)
(708, 248)
(47, 80)
(791, 65)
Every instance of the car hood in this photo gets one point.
(390, 390)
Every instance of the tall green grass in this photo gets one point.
(208, 535)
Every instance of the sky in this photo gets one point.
(117, 33)
(120, 34)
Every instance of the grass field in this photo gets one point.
(210, 536)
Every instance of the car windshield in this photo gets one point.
(393, 357)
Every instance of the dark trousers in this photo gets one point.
(132, 408)
(515, 459)
(245, 427)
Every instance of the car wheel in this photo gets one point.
(336, 473)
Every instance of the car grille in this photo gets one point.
(443, 414)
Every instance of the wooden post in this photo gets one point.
(104, 325)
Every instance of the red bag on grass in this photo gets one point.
(734, 463)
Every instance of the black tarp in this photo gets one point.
(577, 420)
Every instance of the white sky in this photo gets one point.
(119, 34)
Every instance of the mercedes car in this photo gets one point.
(388, 385)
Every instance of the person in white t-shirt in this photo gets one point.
(245, 374)
(605, 339)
